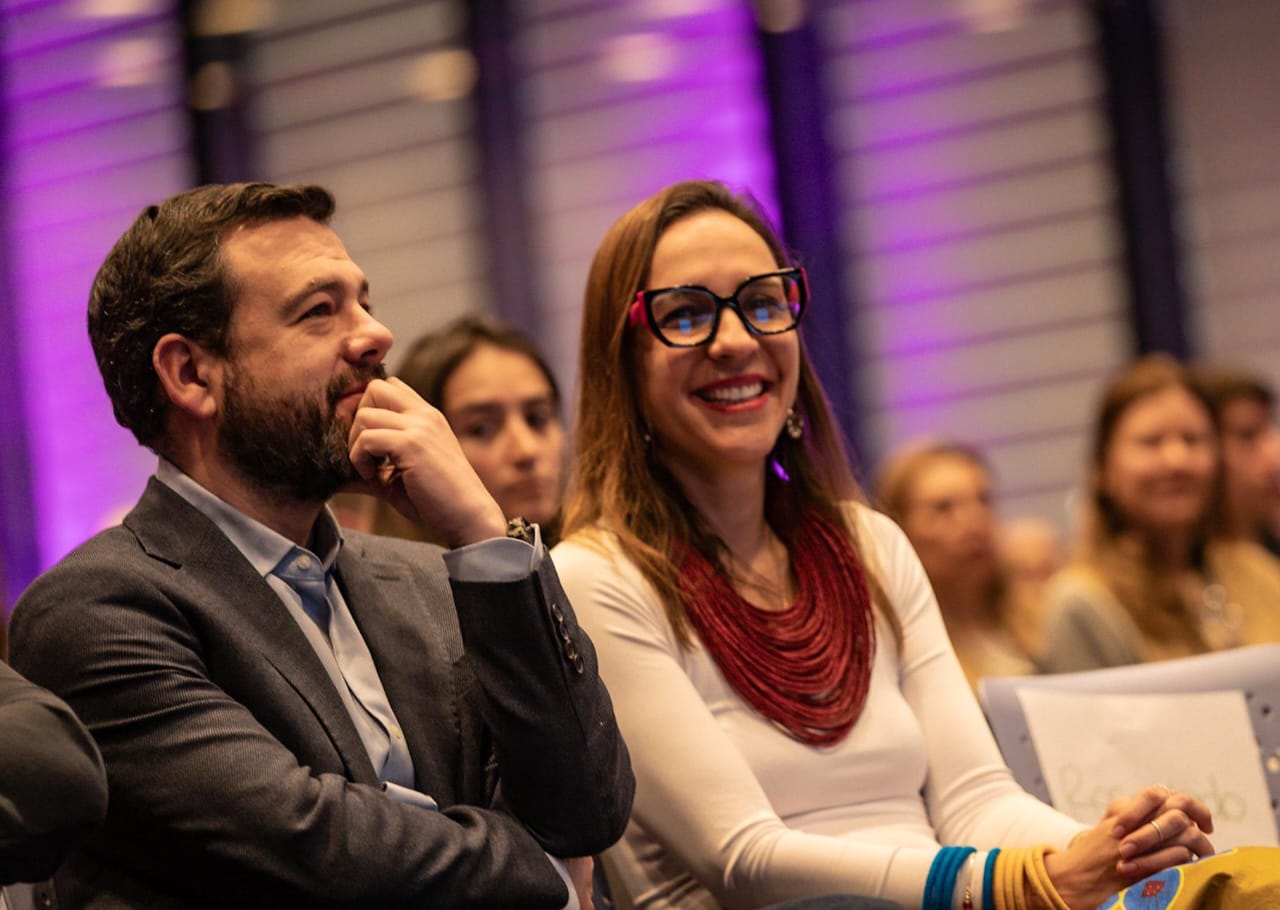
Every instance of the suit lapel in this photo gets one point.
(171, 529)
(393, 606)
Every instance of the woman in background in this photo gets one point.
(1149, 580)
(502, 402)
(940, 493)
(797, 721)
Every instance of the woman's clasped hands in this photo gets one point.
(1137, 836)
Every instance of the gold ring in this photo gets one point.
(1159, 833)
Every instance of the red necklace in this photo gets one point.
(807, 668)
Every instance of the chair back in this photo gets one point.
(1253, 671)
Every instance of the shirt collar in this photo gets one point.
(263, 547)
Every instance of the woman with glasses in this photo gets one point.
(797, 721)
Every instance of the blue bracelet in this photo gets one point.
(989, 880)
(940, 886)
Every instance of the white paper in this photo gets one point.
(1094, 747)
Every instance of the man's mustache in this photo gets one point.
(365, 374)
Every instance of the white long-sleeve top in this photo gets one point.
(731, 811)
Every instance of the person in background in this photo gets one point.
(940, 493)
(798, 722)
(501, 400)
(53, 790)
(1031, 550)
(290, 715)
(1244, 406)
(1149, 579)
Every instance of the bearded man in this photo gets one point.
(289, 714)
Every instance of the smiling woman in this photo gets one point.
(1150, 579)
(796, 717)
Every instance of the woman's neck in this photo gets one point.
(731, 505)
(729, 502)
(1171, 551)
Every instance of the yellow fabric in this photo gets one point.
(1247, 878)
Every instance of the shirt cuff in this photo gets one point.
(409, 797)
(497, 559)
(563, 869)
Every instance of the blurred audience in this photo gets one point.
(1244, 406)
(940, 492)
(501, 399)
(1031, 550)
(1149, 579)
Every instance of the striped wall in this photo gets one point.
(96, 131)
(979, 231)
(1225, 108)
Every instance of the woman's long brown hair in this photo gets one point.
(1107, 543)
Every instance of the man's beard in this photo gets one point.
(289, 446)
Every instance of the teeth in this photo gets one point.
(731, 394)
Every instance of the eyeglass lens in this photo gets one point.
(687, 316)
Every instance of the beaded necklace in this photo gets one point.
(807, 667)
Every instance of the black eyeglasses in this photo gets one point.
(688, 316)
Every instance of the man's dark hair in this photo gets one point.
(166, 274)
(1223, 386)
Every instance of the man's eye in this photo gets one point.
(320, 309)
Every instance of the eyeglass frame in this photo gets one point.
(641, 308)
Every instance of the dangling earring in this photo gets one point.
(646, 437)
(795, 424)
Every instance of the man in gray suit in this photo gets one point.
(290, 714)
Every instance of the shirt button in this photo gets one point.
(303, 563)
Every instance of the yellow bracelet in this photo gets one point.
(1023, 883)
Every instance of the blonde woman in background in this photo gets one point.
(940, 493)
(1149, 579)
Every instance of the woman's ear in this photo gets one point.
(188, 373)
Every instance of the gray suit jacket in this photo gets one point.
(236, 776)
(53, 790)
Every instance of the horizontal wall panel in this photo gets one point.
(942, 51)
(1057, 406)
(1225, 124)
(1042, 248)
(998, 309)
(1020, 198)
(993, 367)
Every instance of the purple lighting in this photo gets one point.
(97, 131)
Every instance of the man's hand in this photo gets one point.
(581, 869)
(406, 453)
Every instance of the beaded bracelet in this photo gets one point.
(989, 880)
(941, 882)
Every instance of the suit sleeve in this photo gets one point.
(564, 769)
(209, 795)
(53, 790)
